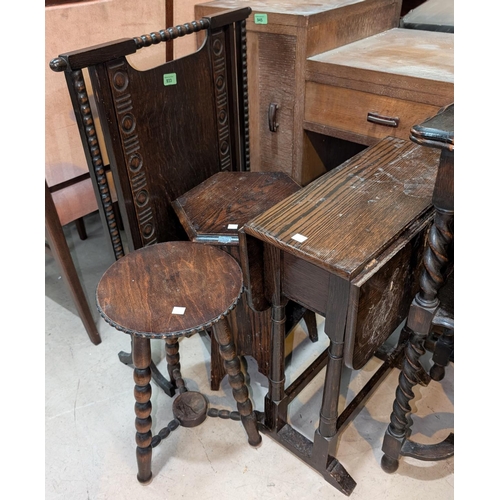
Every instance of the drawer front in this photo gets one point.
(343, 113)
(271, 81)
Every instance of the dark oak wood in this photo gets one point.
(212, 213)
(152, 164)
(58, 247)
(346, 246)
(166, 291)
(331, 212)
(142, 392)
(431, 312)
(162, 138)
(139, 292)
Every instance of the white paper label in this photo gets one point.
(299, 237)
(178, 310)
(232, 226)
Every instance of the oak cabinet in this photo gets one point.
(281, 36)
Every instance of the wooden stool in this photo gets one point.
(166, 291)
(212, 213)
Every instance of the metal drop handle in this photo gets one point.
(273, 109)
(387, 121)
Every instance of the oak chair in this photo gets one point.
(166, 131)
(430, 322)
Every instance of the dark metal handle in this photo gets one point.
(273, 108)
(388, 121)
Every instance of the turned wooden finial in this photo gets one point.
(58, 64)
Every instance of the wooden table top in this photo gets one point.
(347, 217)
(216, 209)
(169, 289)
(402, 58)
(292, 7)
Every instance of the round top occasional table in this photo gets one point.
(166, 291)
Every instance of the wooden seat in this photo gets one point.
(430, 322)
(166, 130)
(167, 291)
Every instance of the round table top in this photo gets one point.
(169, 289)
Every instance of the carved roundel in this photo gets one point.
(120, 81)
(222, 116)
(128, 123)
(147, 230)
(217, 47)
(220, 83)
(142, 198)
(224, 147)
(135, 162)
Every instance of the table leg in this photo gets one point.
(141, 352)
(325, 438)
(275, 407)
(232, 365)
(174, 364)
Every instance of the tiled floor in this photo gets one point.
(89, 425)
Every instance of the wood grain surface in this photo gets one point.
(219, 206)
(413, 60)
(138, 293)
(349, 215)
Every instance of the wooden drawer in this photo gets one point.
(341, 112)
(403, 74)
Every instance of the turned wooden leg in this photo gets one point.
(217, 371)
(232, 365)
(141, 353)
(273, 418)
(156, 375)
(173, 363)
(399, 427)
(311, 324)
(443, 352)
(420, 317)
(325, 437)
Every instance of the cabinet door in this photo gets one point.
(271, 74)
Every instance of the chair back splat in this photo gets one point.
(203, 101)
